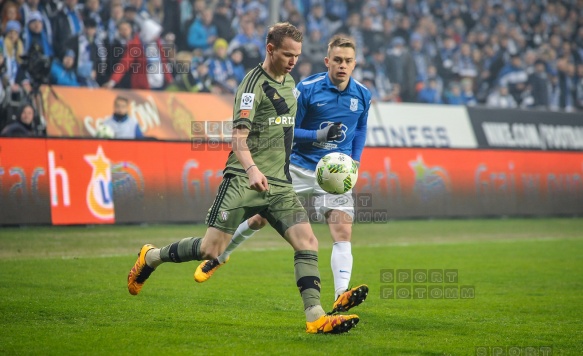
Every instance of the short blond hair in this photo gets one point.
(341, 41)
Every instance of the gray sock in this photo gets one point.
(185, 250)
(153, 258)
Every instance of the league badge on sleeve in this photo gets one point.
(247, 101)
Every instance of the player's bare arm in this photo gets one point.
(257, 181)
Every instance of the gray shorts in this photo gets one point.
(236, 202)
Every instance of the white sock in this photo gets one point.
(153, 258)
(341, 262)
(242, 233)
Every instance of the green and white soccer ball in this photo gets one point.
(105, 131)
(336, 173)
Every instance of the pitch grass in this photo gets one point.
(63, 291)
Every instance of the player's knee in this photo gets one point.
(311, 243)
(342, 234)
(257, 222)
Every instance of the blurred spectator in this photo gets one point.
(377, 67)
(197, 80)
(189, 12)
(9, 13)
(141, 9)
(222, 19)
(401, 68)
(464, 64)
(314, 49)
(115, 16)
(23, 126)
(579, 87)
(158, 55)
(202, 33)
(155, 10)
(32, 6)
(316, 21)
(63, 71)
(540, 85)
(130, 14)
(353, 29)
(66, 23)
(429, 93)
(403, 29)
(514, 77)
(336, 11)
(566, 84)
(171, 12)
(372, 38)
(13, 51)
(123, 125)
(432, 74)
(372, 12)
(446, 60)
(286, 9)
(250, 43)
(468, 96)
(422, 60)
(368, 81)
(453, 96)
(554, 93)
(92, 10)
(221, 69)
(85, 45)
(35, 34)
(111, 54)
(143, 60)
(256, 11)
(238, 69)
(203, 83)
(183, 79)
(501, 98)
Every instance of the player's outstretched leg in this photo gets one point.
(140, 272)
(350, 299)
(150, 258)
(205, 269)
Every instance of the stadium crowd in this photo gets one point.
(499, 53)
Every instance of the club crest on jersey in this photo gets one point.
(224, 215)
(296, 93)
(353, 104)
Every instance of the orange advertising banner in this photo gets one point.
(107, 181)
(76, 112)
(81, 182)
(24, 181)
(88, 181)
(437, 182)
